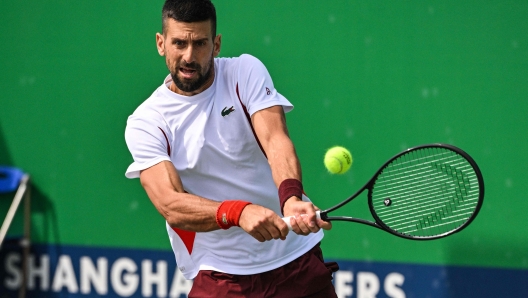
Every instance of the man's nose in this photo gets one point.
(188, 54)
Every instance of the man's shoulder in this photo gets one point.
(237, 61)
(239, 68)
(236, 58)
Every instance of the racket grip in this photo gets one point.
(287, 218)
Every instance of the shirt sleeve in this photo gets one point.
(148, 140)
(255, 86)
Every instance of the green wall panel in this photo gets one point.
(377, 77)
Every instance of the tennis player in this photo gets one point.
(212, 151)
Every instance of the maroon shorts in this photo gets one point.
(307, 276)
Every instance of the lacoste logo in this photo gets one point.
(227, 111)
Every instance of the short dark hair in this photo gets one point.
(189, 11)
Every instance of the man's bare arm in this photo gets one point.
(193, 213)
(270, 127)
(180, 209)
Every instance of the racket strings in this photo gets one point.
(430, 191)
(413, 190)
(436, 216)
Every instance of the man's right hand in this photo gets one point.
(262, 223)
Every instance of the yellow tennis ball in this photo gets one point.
(338, 160)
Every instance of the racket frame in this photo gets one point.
(370, 185)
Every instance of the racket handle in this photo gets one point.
(287, 218)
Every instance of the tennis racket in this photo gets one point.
(425, 192)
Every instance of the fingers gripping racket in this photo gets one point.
(426, 192)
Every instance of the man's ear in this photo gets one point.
(160, 44)
(217, 45)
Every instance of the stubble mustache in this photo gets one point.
(193, 65)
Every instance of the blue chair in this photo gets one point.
(15, 180)
(11, 180)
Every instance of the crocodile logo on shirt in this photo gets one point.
(227, 111)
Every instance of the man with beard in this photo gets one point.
(212, 151)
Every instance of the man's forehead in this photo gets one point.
(196, 30)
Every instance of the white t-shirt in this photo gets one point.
(209, 139)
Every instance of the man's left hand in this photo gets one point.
(303, 219)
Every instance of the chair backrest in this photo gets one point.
(9, 178)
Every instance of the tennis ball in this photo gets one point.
(338, 160)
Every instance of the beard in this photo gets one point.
(187, 85)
